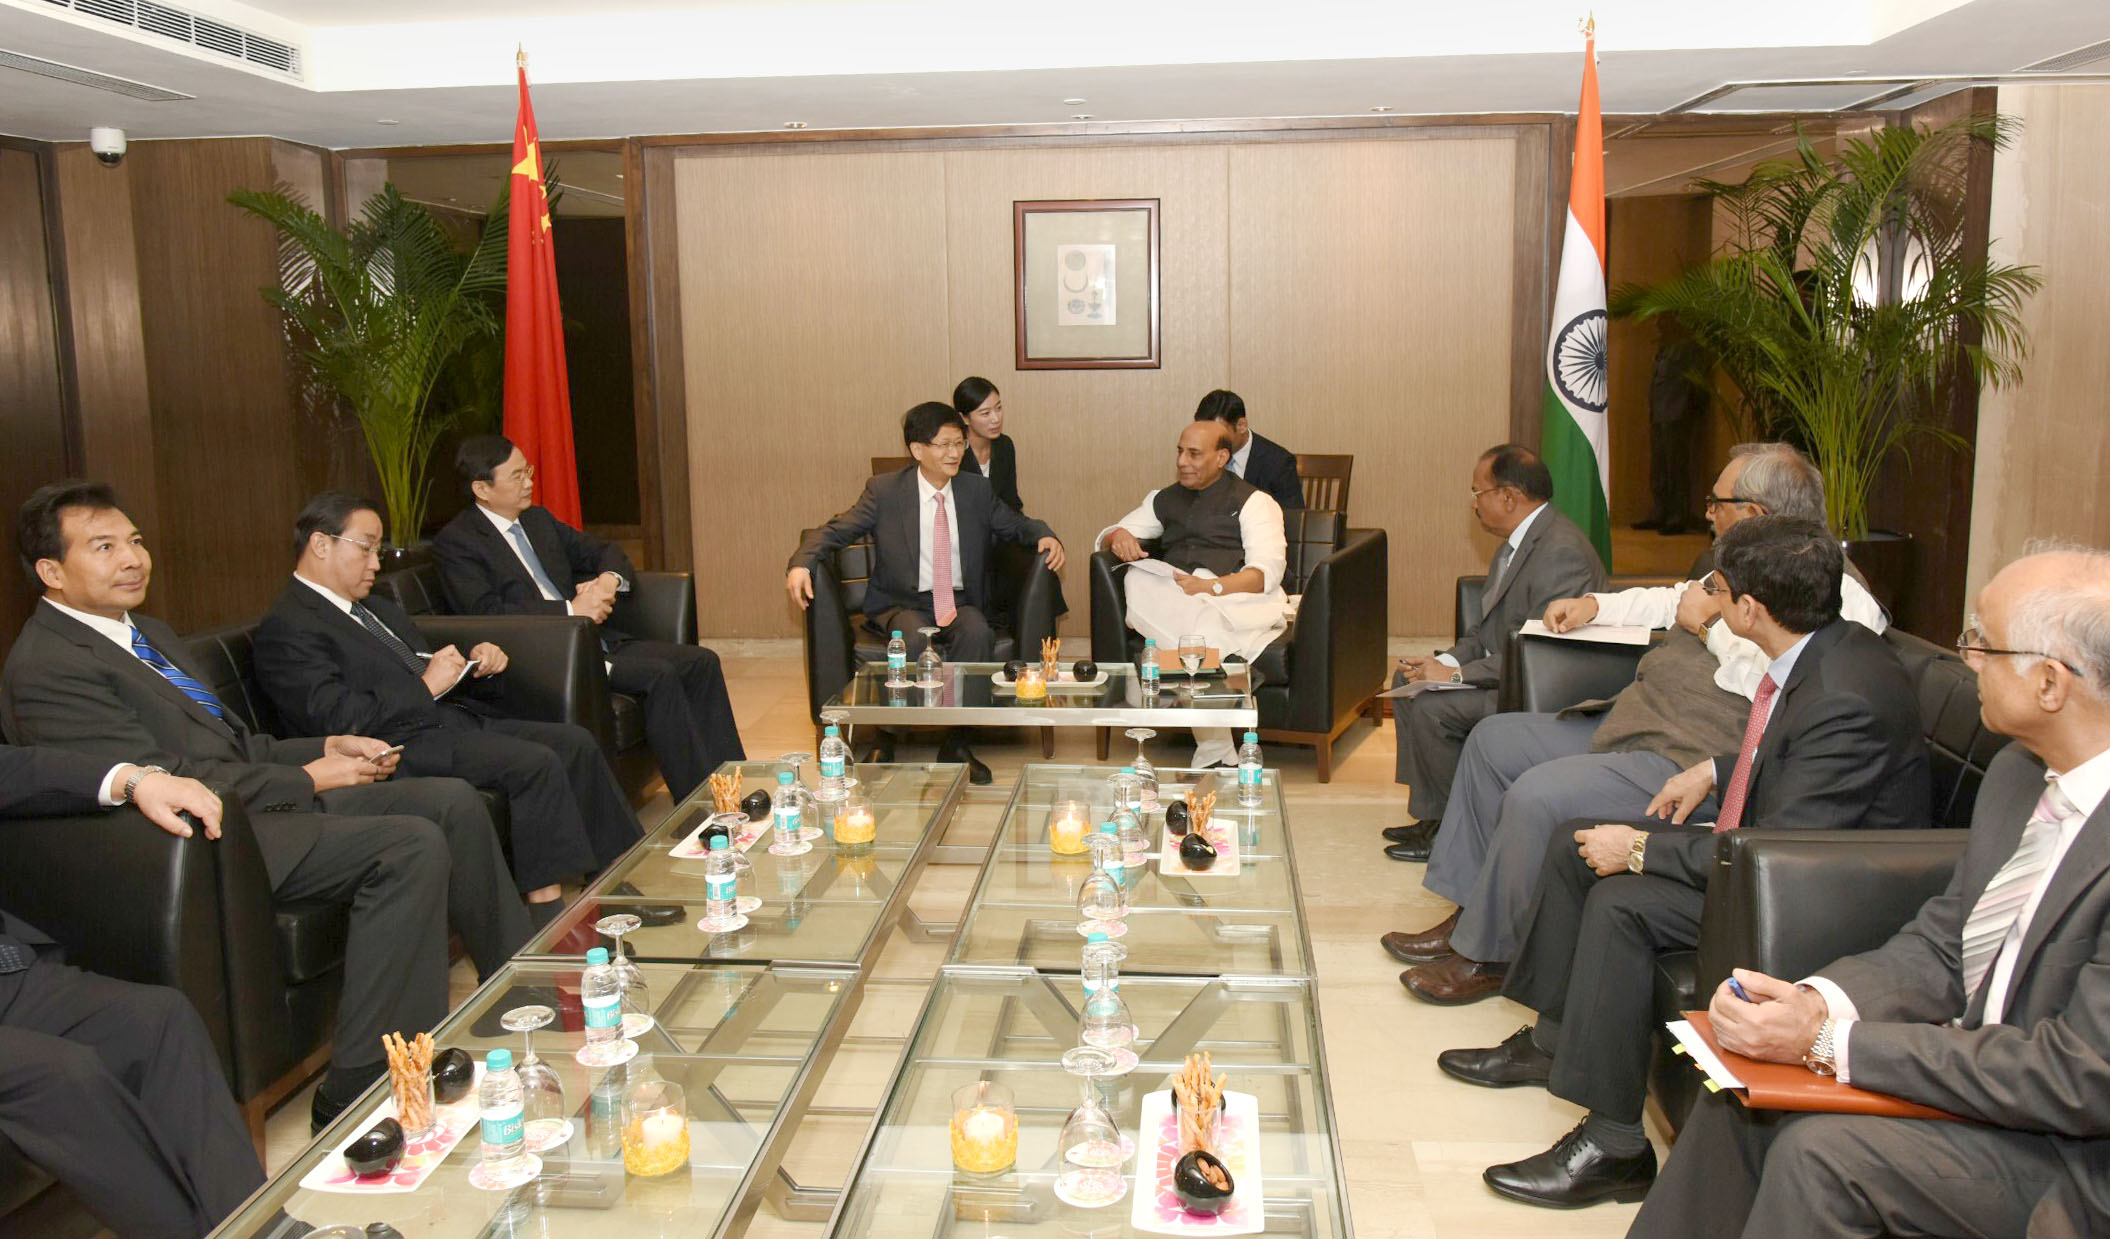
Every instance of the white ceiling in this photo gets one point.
(627, 68)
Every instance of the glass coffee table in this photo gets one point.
(742, 1042)
(823, 907)
(968, 695)
(1010, 1026)
(1024, 907)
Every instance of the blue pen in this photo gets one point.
(1736, 987)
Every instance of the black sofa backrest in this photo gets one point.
(225, 659)
(416, 588)
(853, 571)
(1313, 534)
(1959, 746)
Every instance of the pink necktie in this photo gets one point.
(941, 564)
(1740, 782)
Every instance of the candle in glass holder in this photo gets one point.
(1068, 822)
(984, 1128)
(1032, 684)
(655, 1129)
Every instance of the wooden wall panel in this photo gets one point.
(2044, 445)
(32, 400)
(813, 314)
(1650, 239)
(1370, 313)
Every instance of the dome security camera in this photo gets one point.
(108, 144)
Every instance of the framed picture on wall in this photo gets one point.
(1086, 279)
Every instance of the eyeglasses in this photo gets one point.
(947, 445)
(1713, 587)
(1716, 501)
(1478, 491)
(365, 548)
(1971, 648)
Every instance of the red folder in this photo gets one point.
(1792, 1086)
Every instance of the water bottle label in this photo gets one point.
(831, 767)
(896, 661)
(604, 1012)
(719, 889)
(504, 1127)
(787, 821)
(1249, 775)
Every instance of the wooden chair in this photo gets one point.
(890, 464)
(1325, 480)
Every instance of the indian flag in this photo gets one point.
(1573, 440)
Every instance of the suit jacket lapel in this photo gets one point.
(1516, 561)
(504, 553)
(127, 663)
(2083, 864)
(907, 521)
(1784, 703)
(547, 549)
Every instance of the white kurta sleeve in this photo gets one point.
(1650, 606)
(1266, 546)
(1860, 606)
(1143, 522)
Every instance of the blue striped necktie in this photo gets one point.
(175, 675)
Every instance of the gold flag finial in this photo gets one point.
(1587, 25)
(520, 55)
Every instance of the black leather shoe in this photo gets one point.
(1416, 848)
(1404, 834)
(1573, 1173)
(1518, 1060)
(882, 754)
(977, 773)
(322, 1112)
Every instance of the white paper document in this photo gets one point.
(1415, 688)
(1155, 567)
(1606, 634)
(1687, 1038)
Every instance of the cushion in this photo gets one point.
(311, 937)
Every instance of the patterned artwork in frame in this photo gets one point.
(1086, 278)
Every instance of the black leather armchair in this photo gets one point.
(557, 672)
(1328, 668)
(1560, 673)
(838, 641)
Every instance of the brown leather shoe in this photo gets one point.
(1427, 947)
(1454, 981)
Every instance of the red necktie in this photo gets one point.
(1740, 782)
(941, 564)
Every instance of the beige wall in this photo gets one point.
(2044, 445)
(1358, 293)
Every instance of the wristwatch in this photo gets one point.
(1457, 676)
(1634, 851)
(1822, 1057)
(132, 784)
(1216, 587)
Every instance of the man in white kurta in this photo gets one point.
(1222, 539)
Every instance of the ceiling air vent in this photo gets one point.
(183, 26)
(84, 77)
(2071, 60)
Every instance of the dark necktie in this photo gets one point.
(534, 563)
(1494, 575)
(387, 636)
(14, 957)
(175, 675)
(1732, 815)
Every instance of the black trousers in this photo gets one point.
(688, 716)
(569, 816)
(968, 639)
(1587, 962)
(1736, 1173)
(114, 1090)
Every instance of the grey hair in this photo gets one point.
(1781, 478)
(2069, 621)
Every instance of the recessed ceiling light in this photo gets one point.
(1381, 108)
(1080, 116)
(1073, 102)
(794, 124)
(387, 120)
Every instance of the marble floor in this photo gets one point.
(1413, 1141)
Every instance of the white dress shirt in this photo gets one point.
(1240, 457)
(1780, 669)
(1740, 663)
(119, 631)
(2085, 785)
(1516, 542)
(336, 599)
(926, 521)
(505, 534)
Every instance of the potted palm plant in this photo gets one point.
(375, 313)
(1847, 307)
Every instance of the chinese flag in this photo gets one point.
(538, 387)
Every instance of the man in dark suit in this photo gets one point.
(504, 556)
(1259, 460)
(1832, 742)
(1993, 1004)
(114, 1089)
(91, 674)
(334, 658)
(931, 528)
(1543, 556)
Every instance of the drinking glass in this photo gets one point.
(1107, 1025)
(808, 832)
(1090, 1142)
(1193, 648)
(1146, 774)
(928, 662)
(541, 1091)
(1101, 901)
(637, 998)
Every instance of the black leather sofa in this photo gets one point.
(1328, 668)
(838, 641)
(1789, 902)
(570, 680)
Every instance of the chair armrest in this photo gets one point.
(831, 648)
(1109, 609)
(1337, 652)
(1465, 605)
(1789, 902)
(554, 672)
(658, 606)
(1033, 612)
(1541, 675)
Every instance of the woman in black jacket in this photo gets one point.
(989, 450)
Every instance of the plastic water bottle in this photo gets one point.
(720, 884)
(835, 758)
(503, 1111)
(784, 811)
(601, 997)
(1249, 771)
(896, 659)
(1147, 671)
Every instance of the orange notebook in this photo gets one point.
(1792, 1086)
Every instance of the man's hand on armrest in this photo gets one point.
(1566, 613)
(1051, 550)
(798, 582)
(1125, 546)
(162, 797)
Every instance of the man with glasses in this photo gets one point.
(335, 657)
(506, 556)
(1521, 775)
(941, 578)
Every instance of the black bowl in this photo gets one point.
(756, 806)
(377, 1150)
(1176, 818)
(1086, 670)
(1012, 670)
(1196, 852)
(1193, 1187)
(716, 830)
(453, 1075)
